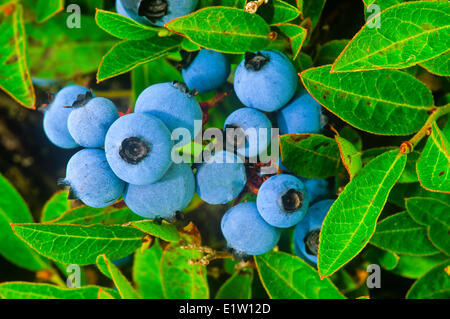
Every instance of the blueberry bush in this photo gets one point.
(228, 149)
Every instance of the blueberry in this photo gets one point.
(207, 71)
(318, 189)
(131, 11)
(138, 148)
(307, 232)
(301, 115)
(159, 12)
(246, 118)
(55, 117)
(173, 104)
(164, 198)
(282, 200)
(246, 232)
(221, 179)
(91, 179)
(90, 120)
(265, 80)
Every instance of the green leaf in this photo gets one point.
(386, 102)
(125, 289)
(163, 230)
(312, 9)
(409, 174)
(46, 9)
(439, 65)
(238, 286)
(303, 62)
(351, 135)
(107, 216)
(102, 294)
(127, 55)
(386, 259)
(310, 155)
(288, 277)
(14, 210)
(14, 75)
(435, 284)
(351, 220)
(350, 156)
(55, 206)
(433, 166)
(278, 11)
(24, 290)
(146, 272)
(188, 45)
(401, 191)
(409, 33)
(80, 245)
(329, 52)
(432, 213)
(296, 35)
(180, 278)
(223, 29)
(416, 266)
(124, 28)
(400, 234)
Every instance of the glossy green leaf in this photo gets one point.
(163, 230)
(434, 214)
(351, 220)
(439, 65)
(14, 75)
(386, 102)
(329, 52)
(312, 9)
(85, 215)
(435, 284)
(351, 135)
(46, 9)
(80, 245)
(103, 294)
(146, 272)
(351, 157)
(180, 278)
(127, 55)
(303, 62)
(416, 266)
(296, 35)
(124, 28)
(277, 11)
(310, 155)
(55, 206)
(238, 286)
(27, 290)
(401, 191)
(223, 29)
(188, 45)
(124, 287)
(409, 174)
(14, 210)
(400, 234)
(433, 166)
(386, 259)
(288, 277)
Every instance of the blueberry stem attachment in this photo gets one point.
(252, 6)
(133, 150)
(82, 100)
(312, 242)
(291, 201)
(153, 9)
(255, 61)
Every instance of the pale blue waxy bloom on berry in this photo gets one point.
(318, 189)
(282, 200)
(91, 180)
(246, 232)
(208, 71)
(90, 120)
(138, 148)
(307, 232)
(258, 127)
(57, 114)
(162, 199)
(221, 179)
(173, 104)
(302, 114)
(131, 13)
(265, 80)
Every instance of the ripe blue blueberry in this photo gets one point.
(90, 120)
(57, 114)
(246, 232)
(282, 200)
(164, 198)
(302, 115)
(265, 80)
(207, 71)
(318, 189)
(159, 12)
(138, 148)
(173, 104)
(91, 179)
(251, 126)
(307, 232)
(221, 178)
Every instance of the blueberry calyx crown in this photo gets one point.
(291, 201)
(133, 150)
(255, 61)
(82, 100)
(235, 137)
(153, 9)
(183, 88)
(312, 242)
(187, 57)
(72, 194)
